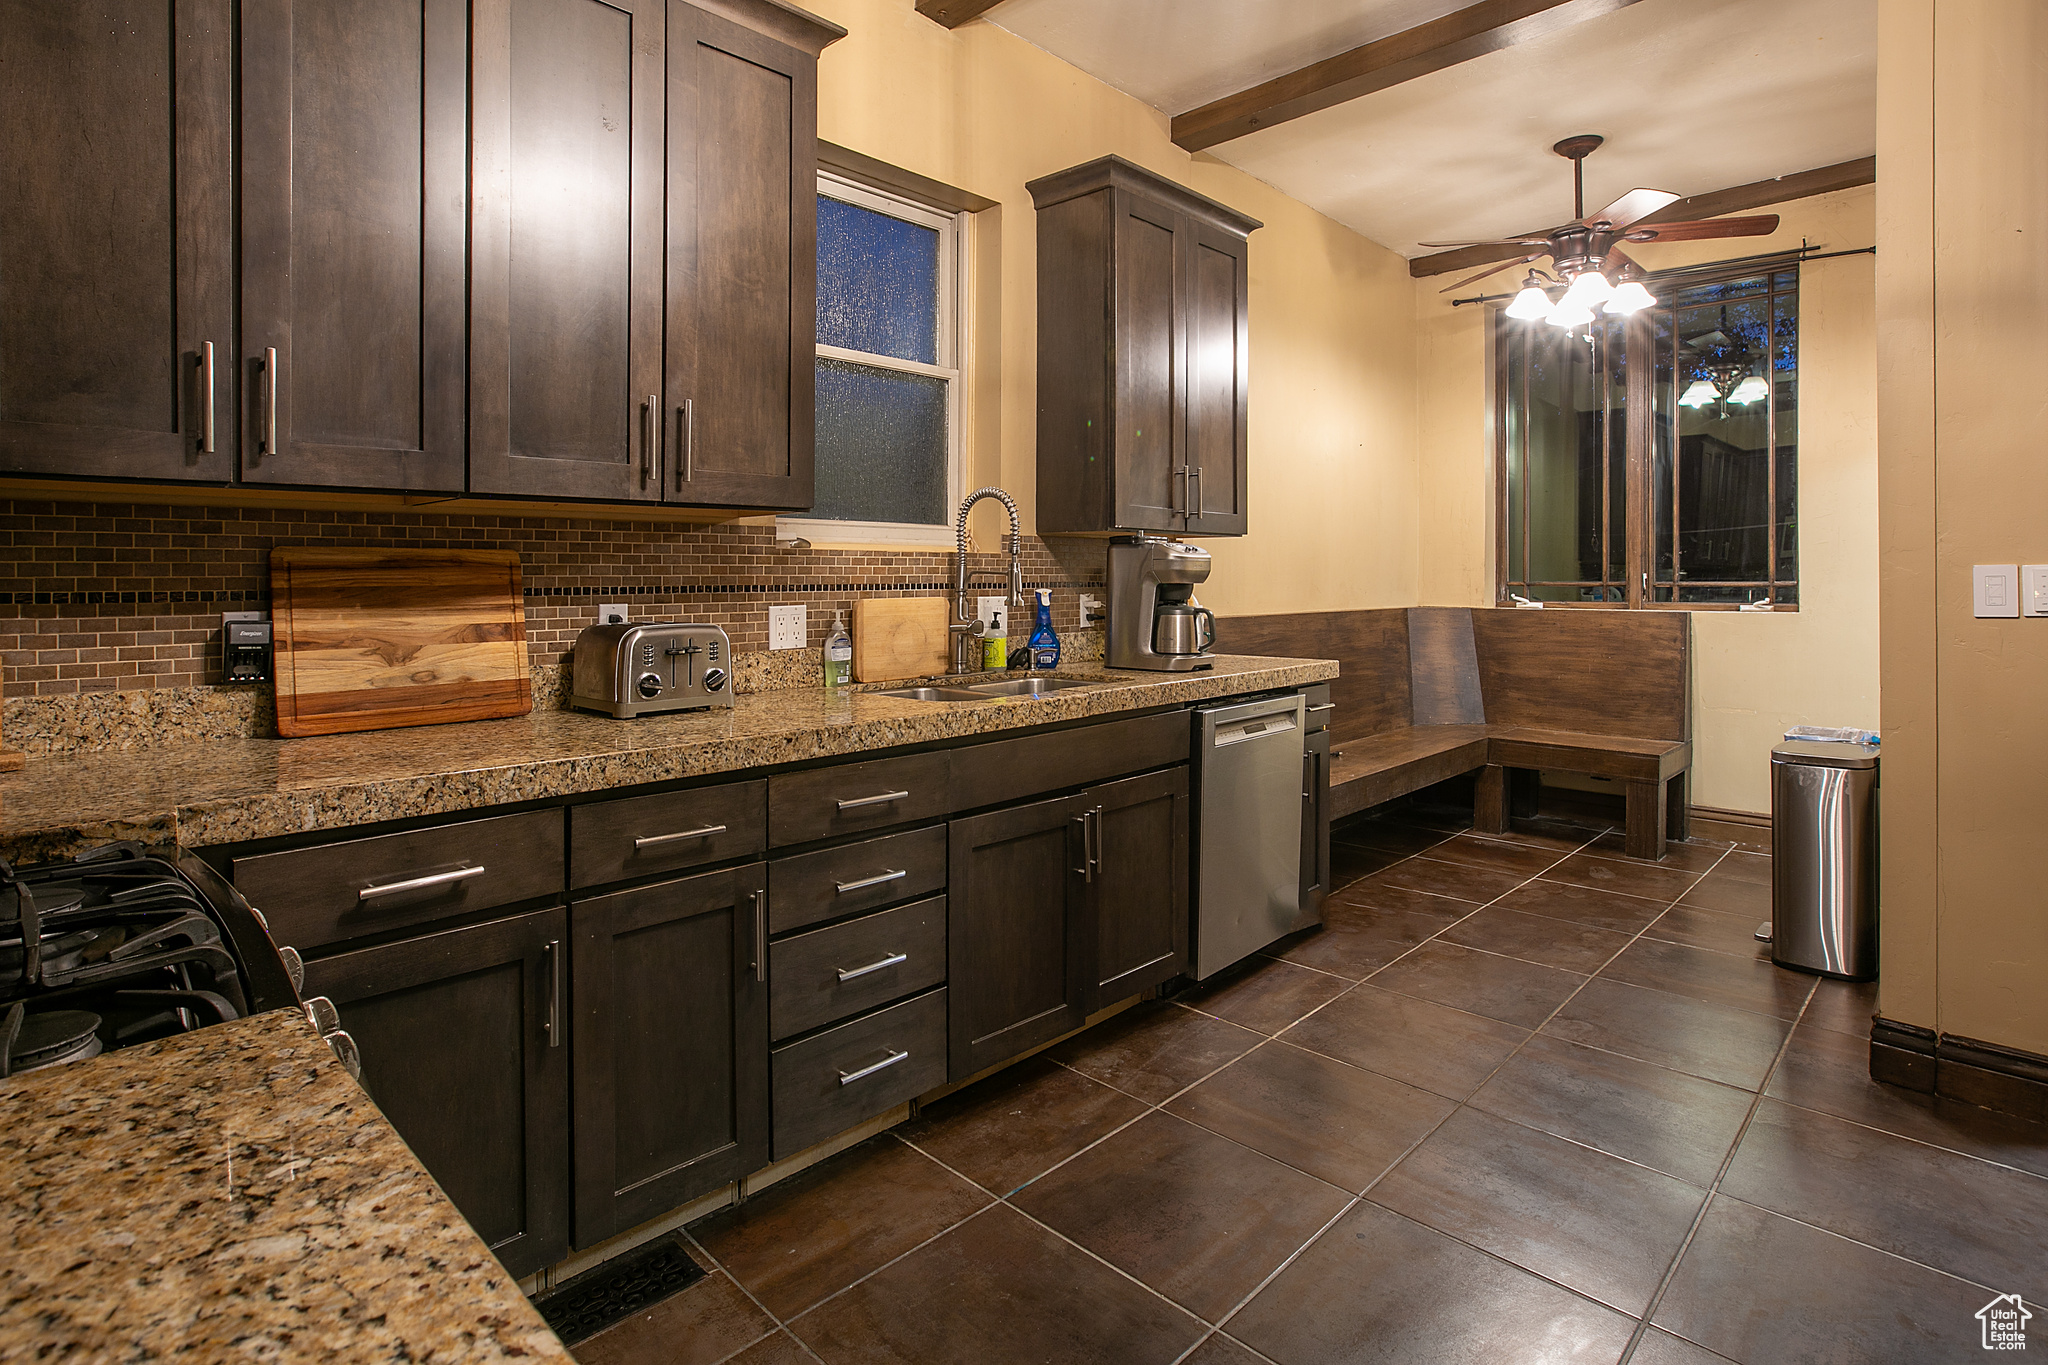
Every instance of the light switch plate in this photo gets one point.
(1996, 589)
(787, 628)
(613, 614)
(2034, 589)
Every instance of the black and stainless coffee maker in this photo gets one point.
(1154, 620)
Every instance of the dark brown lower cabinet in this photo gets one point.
(464, 1038)
(1019, 950)
(671, 1045)
(1315, 819)
(1138, 883)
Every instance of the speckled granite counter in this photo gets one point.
(222, 791)
(233, 1194)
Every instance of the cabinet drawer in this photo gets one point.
(828, 974)
(827, 1084)
(832, 882)
(853, 797)
(610, 841)
(342, 890)
(1018, 769)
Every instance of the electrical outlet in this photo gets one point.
(1091, 609)
(787, 628)
(2034, 589)
(613, 614)
(994, 613)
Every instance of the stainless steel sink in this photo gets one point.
(935, 694)
(1025, 687)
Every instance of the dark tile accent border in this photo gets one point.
(2003, 1079)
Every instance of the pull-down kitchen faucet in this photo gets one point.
(966, 628)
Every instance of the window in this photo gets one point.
(1652, 461)
(888, 367)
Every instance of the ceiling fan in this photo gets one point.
(1584, 251)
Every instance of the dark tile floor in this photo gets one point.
(1521, 1099)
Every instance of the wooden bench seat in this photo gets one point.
(1429, 693)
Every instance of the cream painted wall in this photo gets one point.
(1962, 352)
(1332, 353)
(1753, 675)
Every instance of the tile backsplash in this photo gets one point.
(121, 597)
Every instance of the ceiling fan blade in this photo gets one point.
(1631, 206)
(1498, 241)
(1490, 270)
(1760, 225)
(1617, 257)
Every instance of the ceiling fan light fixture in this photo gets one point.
(1569, 314)
(1700, 393)
(1630, 297)
(1531, 303)
(1589, 290)
(1750, 390)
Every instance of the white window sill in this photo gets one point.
(865, 534)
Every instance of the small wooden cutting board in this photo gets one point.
(900, 637)
(378, 639)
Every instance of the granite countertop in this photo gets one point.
(234, 1194)
(219, 791)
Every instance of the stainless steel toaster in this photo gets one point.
(636, 670)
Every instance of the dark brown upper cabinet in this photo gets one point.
(117, 350)
(742, 254)
(1142, 354)
(565, 271)
(354, 195)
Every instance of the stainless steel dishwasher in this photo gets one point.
(1247, 837)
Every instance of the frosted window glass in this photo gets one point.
(878, 283)
(881, 445)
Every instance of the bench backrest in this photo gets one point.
(1598, 672)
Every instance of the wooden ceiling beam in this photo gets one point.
(1756, 194)
(953, 13)
(1471, 32)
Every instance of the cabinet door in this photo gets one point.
(1138, 882)
(464, 1043)
(565, 295)
(1315, 825)
(354, 197)
(116, 256)
(1219, 371)
(671, 1045)
(1150, 474)
(1018, 945)
(742, 265)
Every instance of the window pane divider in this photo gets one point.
(885, 362)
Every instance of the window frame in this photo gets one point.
(1640, 584)
(954, 329)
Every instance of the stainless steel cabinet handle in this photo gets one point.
(1178, 504)
(554, 952)
(1194, 490)
(269, 436)
(1087, 867)
(1326, 706)
(704, 833)
(1094, 848)
(889, 961)
(419, 883)
(206, 425)
(876, 800)
(865, 882)
(648, 415)
(760, 899)
(849, 1077)
(686, 467)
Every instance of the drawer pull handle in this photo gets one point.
(554, 957)
(860, 801)
(889, 961)
(704, 833)
(1326, 706)
(865, 882)
(849, 1077)
(760, 963)
(419, 883)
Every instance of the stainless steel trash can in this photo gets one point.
(1824, 858)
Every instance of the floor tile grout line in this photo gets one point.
(1699, 1217)
(780, 1325)
(1908, 1137)
(954, 1226)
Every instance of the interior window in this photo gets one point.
(1690, 497)
(887, 367)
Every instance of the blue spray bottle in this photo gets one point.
(1045, 646)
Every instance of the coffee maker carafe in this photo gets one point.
(1154, 621)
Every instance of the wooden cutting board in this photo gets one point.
(900, 637)
(377, 639)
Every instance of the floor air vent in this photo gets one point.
(584, 1306)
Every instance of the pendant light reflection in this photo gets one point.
(1698, 394)
(1750, 390)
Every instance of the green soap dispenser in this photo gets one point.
(1045, 645)
(838, 653)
